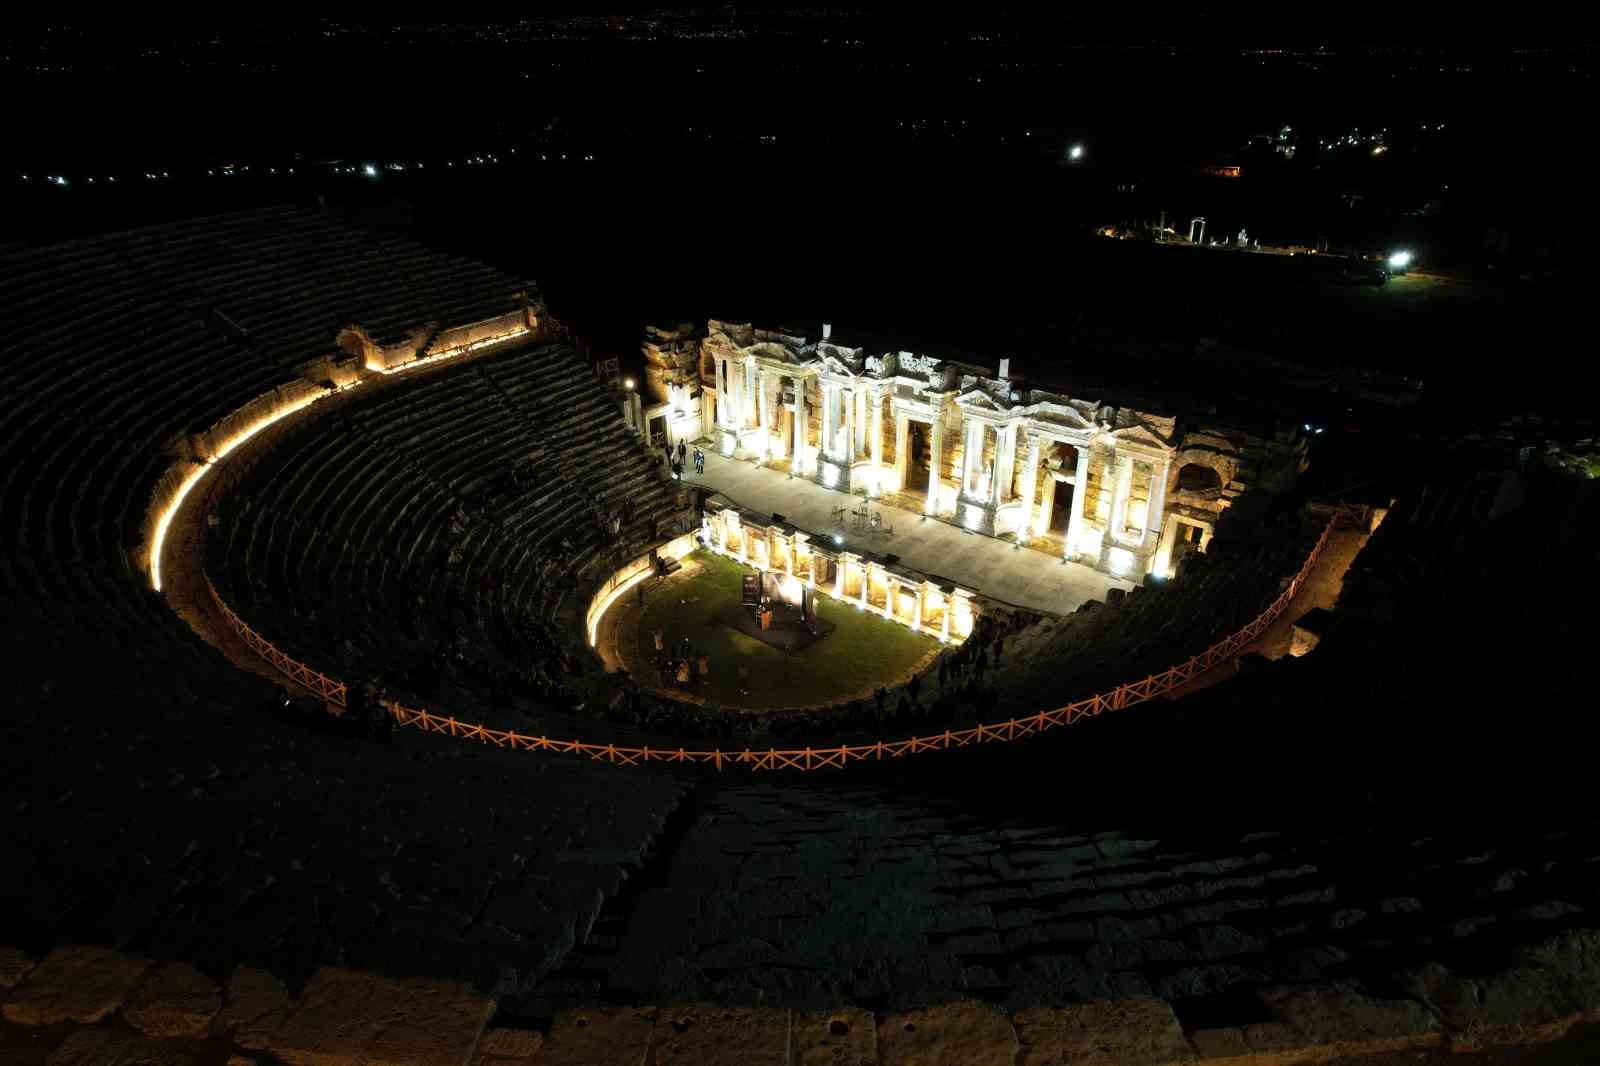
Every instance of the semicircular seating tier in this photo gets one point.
(431, 534)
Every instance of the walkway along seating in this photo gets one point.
(817, 758)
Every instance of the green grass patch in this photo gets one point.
(865, 651)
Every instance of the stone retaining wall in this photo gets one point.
(86, 1005)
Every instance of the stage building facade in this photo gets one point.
(1124, 490)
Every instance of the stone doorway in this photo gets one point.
(919, 448)
(1061, 505)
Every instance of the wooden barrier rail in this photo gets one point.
(813, 758)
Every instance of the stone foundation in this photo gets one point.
(92, 1005)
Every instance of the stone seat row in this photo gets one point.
(385, 482)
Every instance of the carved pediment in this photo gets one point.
(1061, 413)
(832, 364)
(1141, 434)
(979, 400)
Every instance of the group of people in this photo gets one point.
(679, 459)
(682, 665)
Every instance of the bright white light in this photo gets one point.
(1075, 152)
(1400, 259)
(838, 539)
(370, 170)
(627, 383)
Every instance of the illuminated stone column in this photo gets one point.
(849, 426)
(971, 453)
(1000, 473)
(893, 589)
(876, 399)
(916, 607)
(944, 620)
(1155, 514)
(827, 391)
(795, 458)
(722, 529)
(1047, 506)
(1123, 466)
(1163, 560)
(748, 394)
(902, 443)
(841, 563)
(866, 582)
(1030, 479)
(935, 461)
(1080, 489)
(764, 412)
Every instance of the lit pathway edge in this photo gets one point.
(809, 758)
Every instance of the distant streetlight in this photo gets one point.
(1075, 152)
(370, 171)
(627, 383)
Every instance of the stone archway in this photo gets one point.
(1225, 467)
(1197, 477)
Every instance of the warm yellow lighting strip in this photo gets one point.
(200, 471)
(612, 597)
(451, 353)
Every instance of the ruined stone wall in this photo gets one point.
(487, 329)
(88, 1004)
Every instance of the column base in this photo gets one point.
(832, 474)
(976, 515)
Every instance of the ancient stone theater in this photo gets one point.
(389, 681)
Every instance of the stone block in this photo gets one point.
(176, 1000)
(257, 1004)
(14, 966)
(844, 1037)
(108, 1047)
(600, 1036)
(1547, 989)
(509, 1046)
(1272, 1037)
(721, 1036)
(351, 1016)
(1342, 1020)
(1138, 1031)
(1220, 1045)
(967, 1033)
(75, 984)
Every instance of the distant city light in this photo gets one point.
(370, 170)
(1075, 152)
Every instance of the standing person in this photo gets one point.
(683, 453)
